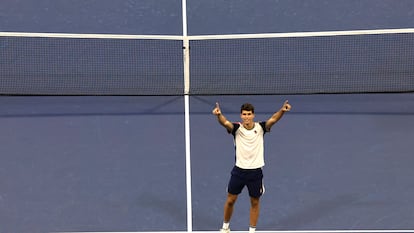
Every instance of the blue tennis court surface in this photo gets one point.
(91, 164)
(109, 152)
(335, 162)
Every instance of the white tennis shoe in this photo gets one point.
(225, 230)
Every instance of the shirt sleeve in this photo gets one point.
(236, 126)
(263, 125)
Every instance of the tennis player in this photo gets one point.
(249, 145)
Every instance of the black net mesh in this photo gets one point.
(68, 66)
(296, 65)
(303, 65)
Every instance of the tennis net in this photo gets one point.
(279, 63)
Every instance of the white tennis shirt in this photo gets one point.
(249, 145)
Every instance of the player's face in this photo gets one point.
(247, 118)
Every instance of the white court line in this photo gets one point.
(298, 231)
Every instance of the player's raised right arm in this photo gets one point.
(222, 119)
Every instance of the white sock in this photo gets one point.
(252, 229)
(226, 225)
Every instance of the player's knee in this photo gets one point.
(231, 199)
(254, 201)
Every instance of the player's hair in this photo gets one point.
(247, 107)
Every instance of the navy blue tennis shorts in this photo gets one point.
(252, 178)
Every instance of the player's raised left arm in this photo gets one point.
(277, 115)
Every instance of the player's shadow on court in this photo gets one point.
(69, 106)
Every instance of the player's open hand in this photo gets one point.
(216, 110)
(286, 106)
